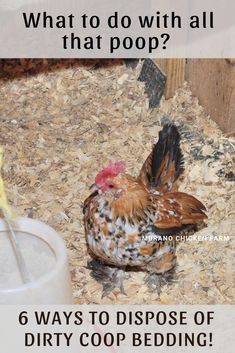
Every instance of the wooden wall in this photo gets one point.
(211, 80)
(175, 71)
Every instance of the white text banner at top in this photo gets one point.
(117, 29)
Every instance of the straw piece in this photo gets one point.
(18, 253)
(3, 199)
(7, 213)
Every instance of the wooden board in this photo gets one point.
(213, 82)
(175, 71)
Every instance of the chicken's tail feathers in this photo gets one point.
(165, 163)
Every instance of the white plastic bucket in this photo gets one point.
(45, 256)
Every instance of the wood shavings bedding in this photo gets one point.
(61, 121)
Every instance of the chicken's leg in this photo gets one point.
(110, 277)
(155, 281)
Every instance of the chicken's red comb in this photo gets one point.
(113, 169)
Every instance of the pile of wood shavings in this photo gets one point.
(61, 121)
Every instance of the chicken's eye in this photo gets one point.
(111, 186)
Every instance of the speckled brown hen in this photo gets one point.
(132, 221)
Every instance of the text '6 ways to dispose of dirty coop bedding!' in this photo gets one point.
(116, 328)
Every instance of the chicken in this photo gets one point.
(132, 221)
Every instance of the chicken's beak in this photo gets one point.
(94, 187)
